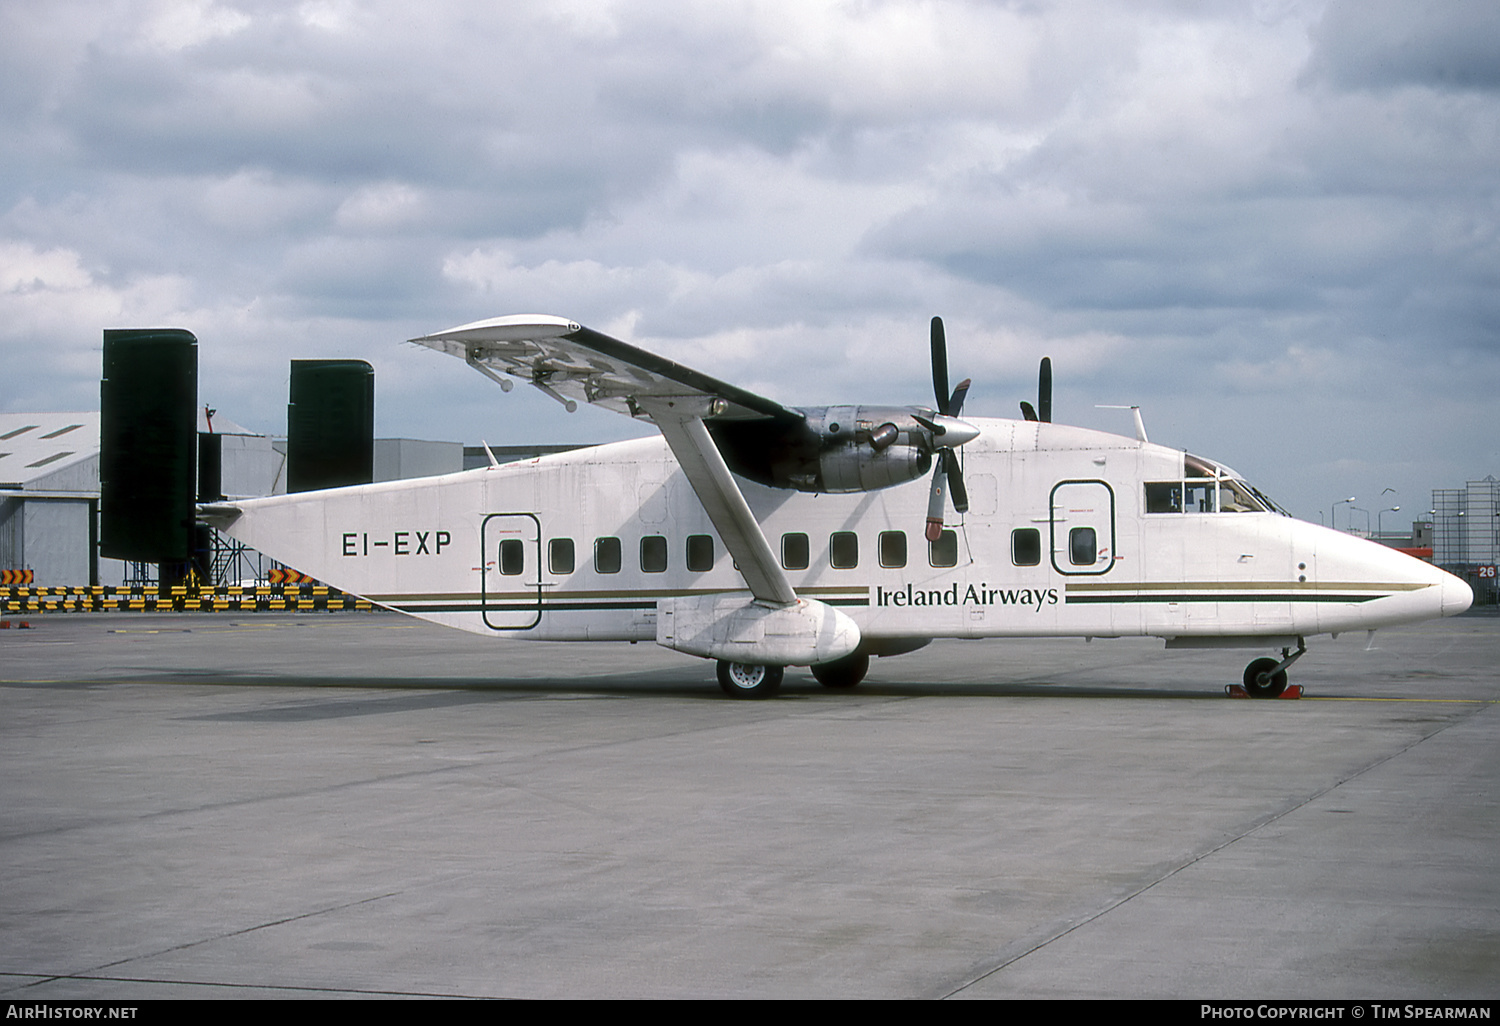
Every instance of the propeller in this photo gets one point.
(1043, 409)
(948, 432)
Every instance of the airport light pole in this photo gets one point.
(1367, 520)
(1379, 527)
(1331, 521)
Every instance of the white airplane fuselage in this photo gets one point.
(584, 545)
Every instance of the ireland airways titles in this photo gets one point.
(955, 594)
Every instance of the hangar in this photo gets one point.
(49, 487)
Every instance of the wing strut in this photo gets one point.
(680, 420)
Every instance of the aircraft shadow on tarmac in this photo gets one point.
(407, 695)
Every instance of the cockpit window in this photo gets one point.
(1238, 497)
(1197, 466)
(1164, 497)
(1225, 495)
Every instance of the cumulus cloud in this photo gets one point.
(1267, 223)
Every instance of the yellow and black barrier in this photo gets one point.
(180, 598)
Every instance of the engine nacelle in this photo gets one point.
(835, 449)
(862, 468)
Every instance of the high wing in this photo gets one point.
(572, 363)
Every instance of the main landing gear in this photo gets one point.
(749, 680)
(843, 673)
(1266, 677)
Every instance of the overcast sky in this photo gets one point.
(1274, 225)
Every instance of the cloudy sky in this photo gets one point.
(1274, 225)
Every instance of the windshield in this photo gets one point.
(1207, 489)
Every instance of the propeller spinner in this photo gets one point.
(948, 433)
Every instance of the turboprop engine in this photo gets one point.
(861, 448)
(839, 449)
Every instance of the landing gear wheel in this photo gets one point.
(842, 673)
(1260, 682)
(749, 680)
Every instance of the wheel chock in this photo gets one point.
(1238, 691)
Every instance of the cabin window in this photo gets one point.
(700, 553)
(512, 556)
(1164, 497)
(1083, 546)
(944, 551)
(794, 552)
(560, 555)
(653, 554)
(892, 549)
(843, 550)
(606, 555)
(1026, 546)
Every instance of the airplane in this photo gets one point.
(763, 536)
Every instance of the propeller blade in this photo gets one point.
(1044, 390)
(939, 363)
(956, 402)
(1028, 411)
(955, 477)
(933, 426)
(935, 503)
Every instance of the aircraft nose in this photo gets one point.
(1457, 595)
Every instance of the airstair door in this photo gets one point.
(1083, 527)
(511, 581)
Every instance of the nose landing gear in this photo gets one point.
(1266, 677)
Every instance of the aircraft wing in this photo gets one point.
(571, 363)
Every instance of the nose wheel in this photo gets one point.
(1263, 679)
(1266, 677)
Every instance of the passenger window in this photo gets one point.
(892, 549)
(653, 554)
(700, 553)
(1026, 546)
(944, 551)
(843, 550)
(560, 555)
(606, 555)
(512, 556)
(1083, 546)
(1164, 497)
(794, 551)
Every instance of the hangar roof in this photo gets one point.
(36, 447)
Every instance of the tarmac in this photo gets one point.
(361, 805)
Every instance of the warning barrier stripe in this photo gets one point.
(149, 598)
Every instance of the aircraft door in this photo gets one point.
(1083, 527)
(511, 581)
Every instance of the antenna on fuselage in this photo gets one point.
(1140, 425)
